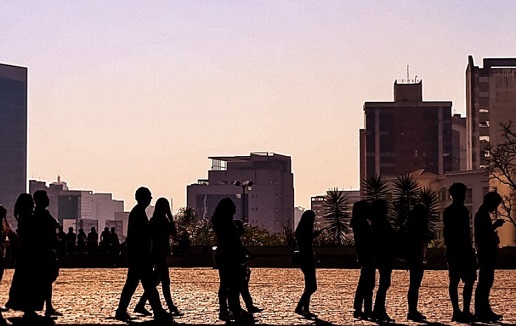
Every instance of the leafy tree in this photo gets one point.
(375, 187)
(428, 198)
(405, 194)
(502, 168)
(336, 214)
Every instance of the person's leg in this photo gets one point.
(149, 286)
(416, 276)
(369, 275)
(310, 287)
(223, 293)
(234, 283)
(131, 283)
(384, 285)
(244, 288)
(454, 279)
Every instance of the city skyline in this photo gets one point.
(176, 83)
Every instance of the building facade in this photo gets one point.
(260, 185)
(406, 134)
(490, 101)
(13, 135)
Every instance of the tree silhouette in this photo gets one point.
(336, 215)
(375, 187)
(405, 194)
(428, 198)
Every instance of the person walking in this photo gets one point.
(417, 237)
(305, 236)
(460, 254)
(385, 255)
(162, 228)
(139, 260)
(365, 256)
(487, 241)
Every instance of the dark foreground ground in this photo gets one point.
(90, 296)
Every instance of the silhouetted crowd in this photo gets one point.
(377, 246)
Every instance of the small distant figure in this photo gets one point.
(305, 236)
(114, 243)
(93, 242)
(487, 241)
(104, 241)
(417, 243)
(139, 239)
(81, 242)
(460, 255)
(384, 239)
(246, 275)
(162, 228)
(184, 243)
(71, 238)
(365, 257)
(61, 241)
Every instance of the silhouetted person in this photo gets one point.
(305, 236)
(365, 257)
(28, 291)
(486, 240)
(184, 242)
(245, 275)
(416, 245)
(229, 257)
(114, 242)
(104, 241)
(5, 231)
(81, 242)
(385, 255)
(71, 237)
(162, 228)
(61, 241)
(49, 241)
(460, 255)
(93, 242)
(139, 260)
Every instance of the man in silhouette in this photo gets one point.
(104, 241)
(93, 242)
(486, 240)
(70, 241)
(459, 252)
(139, 260)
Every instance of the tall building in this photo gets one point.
(13, 134)
(490, 100)
(261, 185)
(406, 134)
(459, 143)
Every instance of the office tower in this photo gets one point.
(406, 134)
(13, 134)
(490, 101)
(261, 186)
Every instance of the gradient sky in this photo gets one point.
(130, 93)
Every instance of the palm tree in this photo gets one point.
(375, 187)
(405, 194)
(429, 199)
(336, 214)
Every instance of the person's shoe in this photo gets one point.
(225, 316)
(416, 316)
(254, 309)
(175, 312)
(142, 311)
(382, 317)
(122, 315)
(162, 317)
(457, 316)
(495, 316)
(299, 311)
(358, 314)
(242, 315)
(52, 312)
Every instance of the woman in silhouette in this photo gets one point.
(365, 257)
(229, 257)
(305, 236)
(162, 228)
(417, 243)
(28, 287)
(385, 255)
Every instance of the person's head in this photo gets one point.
(41, 199)
(70, 229)
(24, 205)
(224, 211)
(113, 229)
(143, 196)
(360, 212)
(458, 192)
(162, 208)
(3, 212)
(106, 229)
(379, 210)
(306, 223)
(491, 201)
(93, 229)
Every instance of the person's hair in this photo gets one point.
(457, 189)
(379, 209)
(40, 197)
(3, 211)
(24, 204)
(360, 212)
(162, 208)
(306, 223)
(223, 212)
(491, 200)
(141, 193)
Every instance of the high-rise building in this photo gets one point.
(13, 134)
(260, 185)
(459, 143)
(406, 134)
(490, 101)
